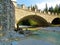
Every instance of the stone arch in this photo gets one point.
(56, 20)
(41, 21)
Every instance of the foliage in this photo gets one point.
(28, 22)
(24, 22)
(32, 22)
(56, 9)
(46, 8)
(51, 9)
(34, 7)
(59, 9)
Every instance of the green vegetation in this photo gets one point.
(34, 7)
(46, 9)
(24, 22)
(51, 10)
(32, 22)
(52, 25)
(28, 22)
(54, 10)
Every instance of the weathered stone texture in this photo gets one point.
(6, 15)
(7, 21)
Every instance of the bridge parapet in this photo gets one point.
(37, 11)
(30, 9)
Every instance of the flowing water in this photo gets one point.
(44, 36)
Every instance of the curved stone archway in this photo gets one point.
(41, 21)
(56, 21)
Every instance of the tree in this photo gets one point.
(56, 9)
(24, 22)
(51, 9)
(46, 9)
(36, 7)
(33, 8)
(59, 8)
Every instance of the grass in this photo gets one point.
(52, 25)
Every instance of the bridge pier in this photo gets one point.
(7, 22)
(17, 27)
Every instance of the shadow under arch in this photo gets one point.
(56, 21)
(41, 21)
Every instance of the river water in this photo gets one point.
(44, 36)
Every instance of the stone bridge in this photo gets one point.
(24, 13)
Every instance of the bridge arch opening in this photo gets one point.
(56, 21)
(33, 20)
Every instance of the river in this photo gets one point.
(44, 36)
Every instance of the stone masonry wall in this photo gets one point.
(6, 15)
(7, 20)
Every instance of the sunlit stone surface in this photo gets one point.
(7, 22)
(6, 15)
